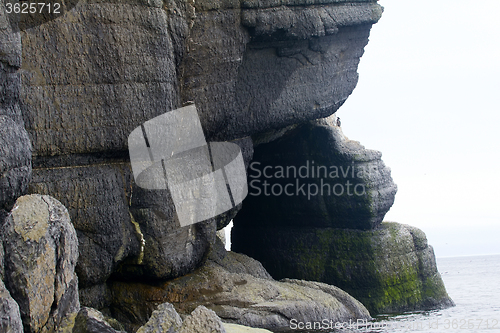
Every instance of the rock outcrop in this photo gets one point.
(94, 74)
(242, 293)
(15, 146)
(329, 180)
(103, 68)
(40, 257)
(331, 230)
(388, 269)
(15, 163)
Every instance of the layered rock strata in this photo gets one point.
(94, 74)
(15, 146)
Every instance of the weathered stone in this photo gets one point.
(90, 320)
(388, 269)
(10, 61)
(163, 319)
(106, 67)
(109, 67)
(15, 162)
(97, 296)
(246, 298)
(313, 176)
(10, 317)
(202, 320)
(96, 199)
(41, 250)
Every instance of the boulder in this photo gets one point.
(163, 319)
(390, 269)
(314, 176)
(245, 295)
(41, 251)
(90, 320)
(202, 320)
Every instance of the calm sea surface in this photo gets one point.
(474, 285)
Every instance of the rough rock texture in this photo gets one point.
(242, 294)
(10, 317)
(94, 74)
(163, 319)
(314, 212)
(299, 62)
(15, 146)
(10, 61)
(90, 320)
(40, 256)
(313, 176)
(388, 269)
(15, 162)
(202, 320)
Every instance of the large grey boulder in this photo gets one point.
(90, 320)
(41, 250)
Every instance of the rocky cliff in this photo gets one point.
(93, 75)
(314, 212)
(73, 88)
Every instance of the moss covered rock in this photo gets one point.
(388, 269)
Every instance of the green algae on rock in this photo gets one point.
(388, 269)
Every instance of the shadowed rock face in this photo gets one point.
(313, 176)
(331, 230)
(93, 75)
(15, 146)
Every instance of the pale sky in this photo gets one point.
(428, 98)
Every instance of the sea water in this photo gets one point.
(474, 285)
